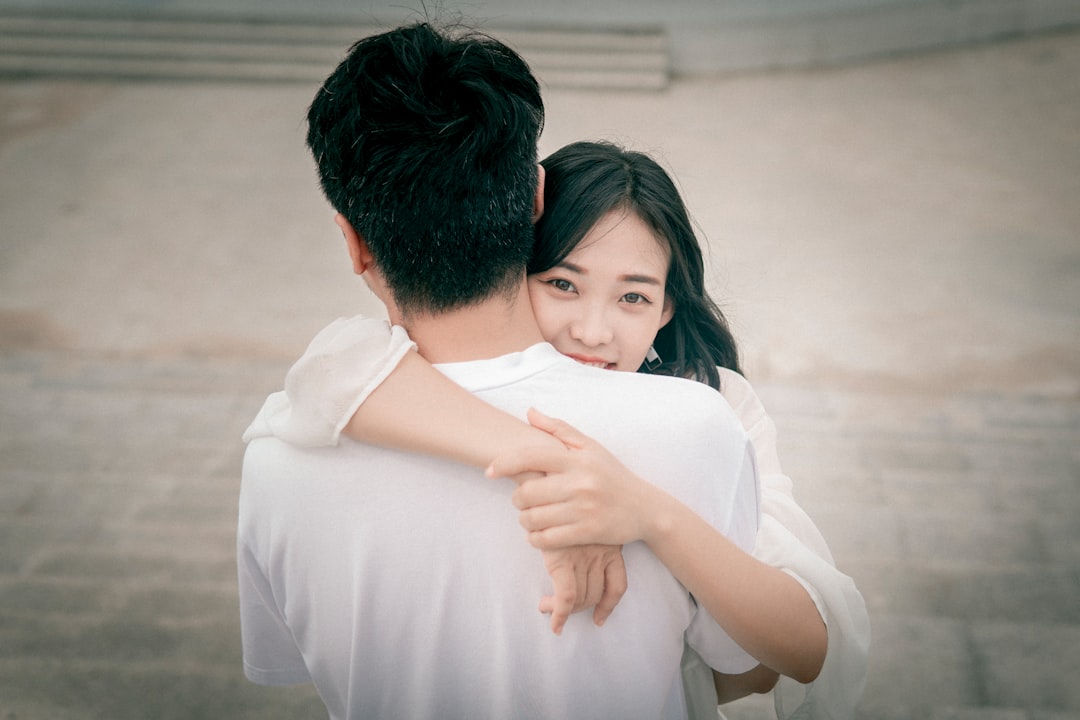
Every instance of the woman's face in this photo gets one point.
(604, 303)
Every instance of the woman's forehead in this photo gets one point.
(621, 234)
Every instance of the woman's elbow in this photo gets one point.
(807, 675)
(758, 680)
(764, 680)
(807, 671)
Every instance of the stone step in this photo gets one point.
(177, 48)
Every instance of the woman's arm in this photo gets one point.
(587, 496)
(417, 408)
(788, 539)
(764, 609)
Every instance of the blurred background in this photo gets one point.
(888, 195)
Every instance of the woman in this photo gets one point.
(616, 281)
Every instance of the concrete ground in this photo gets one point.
(897, 244)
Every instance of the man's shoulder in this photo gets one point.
(697, 409)
(270, 456)
(642, 403)
(672, 395)
(263, 454)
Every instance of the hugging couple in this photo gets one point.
(553, 421)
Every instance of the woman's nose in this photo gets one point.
(592, 330)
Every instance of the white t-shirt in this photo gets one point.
(402, 585)
(348, 359)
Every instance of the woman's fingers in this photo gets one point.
(604, 582)
(531, 459)
(563, 597)
(615, 584)
(543, 490)
(571, 572)
(540, 459)
(543, 517)
(560, 537)
(564, 431)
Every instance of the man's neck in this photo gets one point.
(496, 326)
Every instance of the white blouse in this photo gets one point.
(348, 359)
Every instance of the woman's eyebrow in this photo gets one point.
(646, 279)
(629, 277)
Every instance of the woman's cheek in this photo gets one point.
(548, 315)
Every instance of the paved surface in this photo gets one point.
(898, 245)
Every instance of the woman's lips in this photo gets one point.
(592, 361)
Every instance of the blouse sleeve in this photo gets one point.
(788, 539)
(342, 366)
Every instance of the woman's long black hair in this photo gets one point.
(586, 180)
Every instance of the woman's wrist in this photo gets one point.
(657, 514)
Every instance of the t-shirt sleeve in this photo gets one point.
(704, 634)
(344, 363)
(271, 656)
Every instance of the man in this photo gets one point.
(401, 585)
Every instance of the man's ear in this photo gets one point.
(538, 201)
(358, 248)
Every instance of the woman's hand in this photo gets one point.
(581, 497)
(585, 572)
(583, 576)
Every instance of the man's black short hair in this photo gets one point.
(426, 142)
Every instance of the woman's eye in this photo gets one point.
(635, 298)
(560, 284)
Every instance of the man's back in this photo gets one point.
(403, 586)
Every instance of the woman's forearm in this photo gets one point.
(417, 408)
(762, 608)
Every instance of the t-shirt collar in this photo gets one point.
(477, 375)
